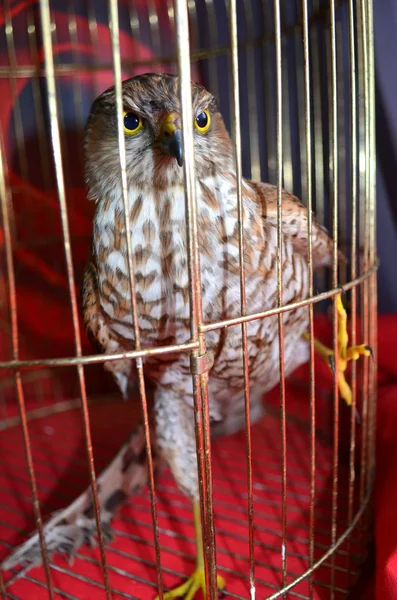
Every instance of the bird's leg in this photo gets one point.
(196, 581)
(177, 444)
(345, 353)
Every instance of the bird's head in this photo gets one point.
(153, 136)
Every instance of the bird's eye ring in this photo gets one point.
(203, 121)
(132, 123)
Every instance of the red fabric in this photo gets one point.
(386, 480)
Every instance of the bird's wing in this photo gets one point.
(294, 216)
(98, 329)
(94, 322)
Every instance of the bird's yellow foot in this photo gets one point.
(345, 353)
(196, 582)
(189, 589)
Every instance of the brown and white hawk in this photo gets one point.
(152, 126)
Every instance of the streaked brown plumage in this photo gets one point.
(158, 234)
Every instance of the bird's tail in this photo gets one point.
(70, 528)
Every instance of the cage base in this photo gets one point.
(61, 470)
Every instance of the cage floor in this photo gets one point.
(61, 471)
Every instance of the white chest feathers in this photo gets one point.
(160, 257)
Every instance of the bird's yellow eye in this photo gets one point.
(203, 121)
(132, 123)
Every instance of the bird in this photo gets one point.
(157, 215)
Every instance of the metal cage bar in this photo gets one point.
(114, 28)
(200, 382)
(309, 191)
(5, 198)
(335, 231)
(364, 258)
(56, 145)
(353, 260)
(243, 294)
(279, 267)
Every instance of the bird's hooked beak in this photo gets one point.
(171, 137)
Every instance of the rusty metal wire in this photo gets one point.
(353, 380)
(243, 295)
(200, 381)
(309, 195)
(114, 28)
(5, 200)
(335, 232)
(56, 146)
(272, 150)
(279, 271)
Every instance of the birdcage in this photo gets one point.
(285, 504)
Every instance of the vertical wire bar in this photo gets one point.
(342, 143)
(4, 199)
(370, 240)
(194, 30)
(77, 89)
(309, 190)
(268, 82)
(334, 196)
(56, 145)
(317, 114)
(154, 29)
(115, 40)
(94, 41)
(17, 114)
(60, 103)
(288, 174)
(279, 154)
(212, 38)
(353, 260)
(366, 458)
(300, 85)
(251, 92)
(38, 108)
(156, 18)
(328, 207)
(372, 244)
(364, 187)
(365, 298)
(200, 383)
(134, 22)
(243, 295)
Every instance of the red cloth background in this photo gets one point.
(386, 479)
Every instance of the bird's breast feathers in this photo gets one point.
(159, 247)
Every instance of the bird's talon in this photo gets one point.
(358, 418)
(189, 589)
(344, 353)
(341, 288)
